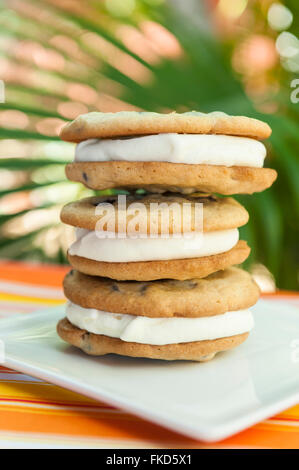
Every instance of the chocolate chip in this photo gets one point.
(143, 289)
(204, 199)
(85, 177)
(115, 288)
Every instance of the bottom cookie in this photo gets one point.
(99, 345)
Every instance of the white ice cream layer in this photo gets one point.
(159, 331)
(120, 250)
(206, 149)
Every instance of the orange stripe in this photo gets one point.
(290, 414)
(266, 435)
(124, 426)
(121, 426)
(82, 423)
(31, 273)
(281, 293)
(52, 275)
(42, 391)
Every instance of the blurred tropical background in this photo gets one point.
(62, 58)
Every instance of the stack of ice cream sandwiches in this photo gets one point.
(154, 268)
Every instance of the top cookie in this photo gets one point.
(125, 123)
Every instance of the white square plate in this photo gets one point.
(208, 401)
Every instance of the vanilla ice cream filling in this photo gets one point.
(159, 331)
(91, 245)
(208, 149)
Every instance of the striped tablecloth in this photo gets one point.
(34, 413)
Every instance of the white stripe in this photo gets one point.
(283, 422)
(30, 290)
(23, 304)
(42, 440)
(10, 308)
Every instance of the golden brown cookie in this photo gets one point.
(221, 292)
(180, 269)
(158, 177)
(99, 345)
(96, 124)
(218, 213)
